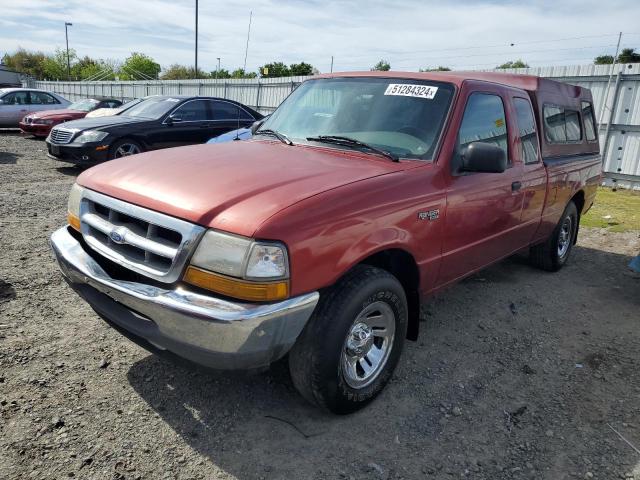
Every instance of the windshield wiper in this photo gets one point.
(352, 142)
(280, 136)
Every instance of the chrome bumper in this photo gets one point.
(207, 330)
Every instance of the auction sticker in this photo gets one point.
(406, 90)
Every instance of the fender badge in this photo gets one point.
(430, 215)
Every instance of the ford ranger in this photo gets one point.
(318, 239)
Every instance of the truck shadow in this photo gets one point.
(492, 351)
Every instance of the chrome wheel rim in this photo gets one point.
(368, 345)
(564, 238)
(127, 149)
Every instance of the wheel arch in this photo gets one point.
(402, 265)
(578, 199)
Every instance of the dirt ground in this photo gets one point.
(518, 374)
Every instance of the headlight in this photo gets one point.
(241, 257)
(73, 206)
(40, 121)
(91, 136)
(240, 267)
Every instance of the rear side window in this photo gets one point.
(228, 111)
(562, 125)
(589, 121)
(526, 130)
(192, 111)
(484, 121)
(41, 98)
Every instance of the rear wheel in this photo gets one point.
(351, 345)
(124, 148)
(554, 253)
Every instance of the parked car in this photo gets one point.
(238, 134)
(15, 103)
(157, 122)
(40, 124)
(360, 196)
(108, 111)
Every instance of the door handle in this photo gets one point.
(515, 186)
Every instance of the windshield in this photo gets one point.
(84, 105)
(152, 108)
(401, 116)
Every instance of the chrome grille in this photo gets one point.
(61, 135)
(142, 240)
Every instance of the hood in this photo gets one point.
(104, 122)
(63, 112)
(233, 186)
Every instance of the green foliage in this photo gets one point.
(139, 67)
(23, 61)
(301, 68)
(439, 68)
(603, 60)
(382, 66)
(55, 66)
(274, 69)
(240, 73)
(222, 73)
(629, 55)
(514, 64)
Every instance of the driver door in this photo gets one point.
(483, 209)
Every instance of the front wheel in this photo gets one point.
(554, 253)
(351, 345)
(124, 148)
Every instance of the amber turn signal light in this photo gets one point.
(236, 288)
(73, 221)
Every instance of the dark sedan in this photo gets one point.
(157, 122)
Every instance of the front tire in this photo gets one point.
(350, 347)
(554, 253)
(124, 148)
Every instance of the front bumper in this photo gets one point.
(210, 331)
(80, 154)
(37, 129)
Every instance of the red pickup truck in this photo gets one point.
(362, 194)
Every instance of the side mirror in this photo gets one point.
(171, 120)
(483, 157)
(256, 125)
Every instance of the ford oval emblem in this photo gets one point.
(116, 237)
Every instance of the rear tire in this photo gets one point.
(351, 345)
(554, 253)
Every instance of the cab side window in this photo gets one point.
(526, 130)
(484, 120)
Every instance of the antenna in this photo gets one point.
(246, 50)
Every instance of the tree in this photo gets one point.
(222, 73)
(382, 66)
(629, 55)
(274, 69)
(514, 64)
(23, 61)
(55, 66)
(240, 73)
(603, 60)
(301, 68)
(439, 68)
(139, 67)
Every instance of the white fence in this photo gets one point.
(619, 122)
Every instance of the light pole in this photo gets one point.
(196, 38)
(218, 70)
(66, 35)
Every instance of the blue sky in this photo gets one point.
(410, 34)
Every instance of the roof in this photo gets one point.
(523, 82)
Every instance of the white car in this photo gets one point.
(107, 112)
(16, 103)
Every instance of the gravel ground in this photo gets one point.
(518, 374)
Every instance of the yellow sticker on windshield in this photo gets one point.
(406, 90)
(500, 122)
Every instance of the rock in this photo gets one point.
(457, 411)
(588, 475)
(104, 363)
(549, 433)
(375, 467)
(528, 370)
